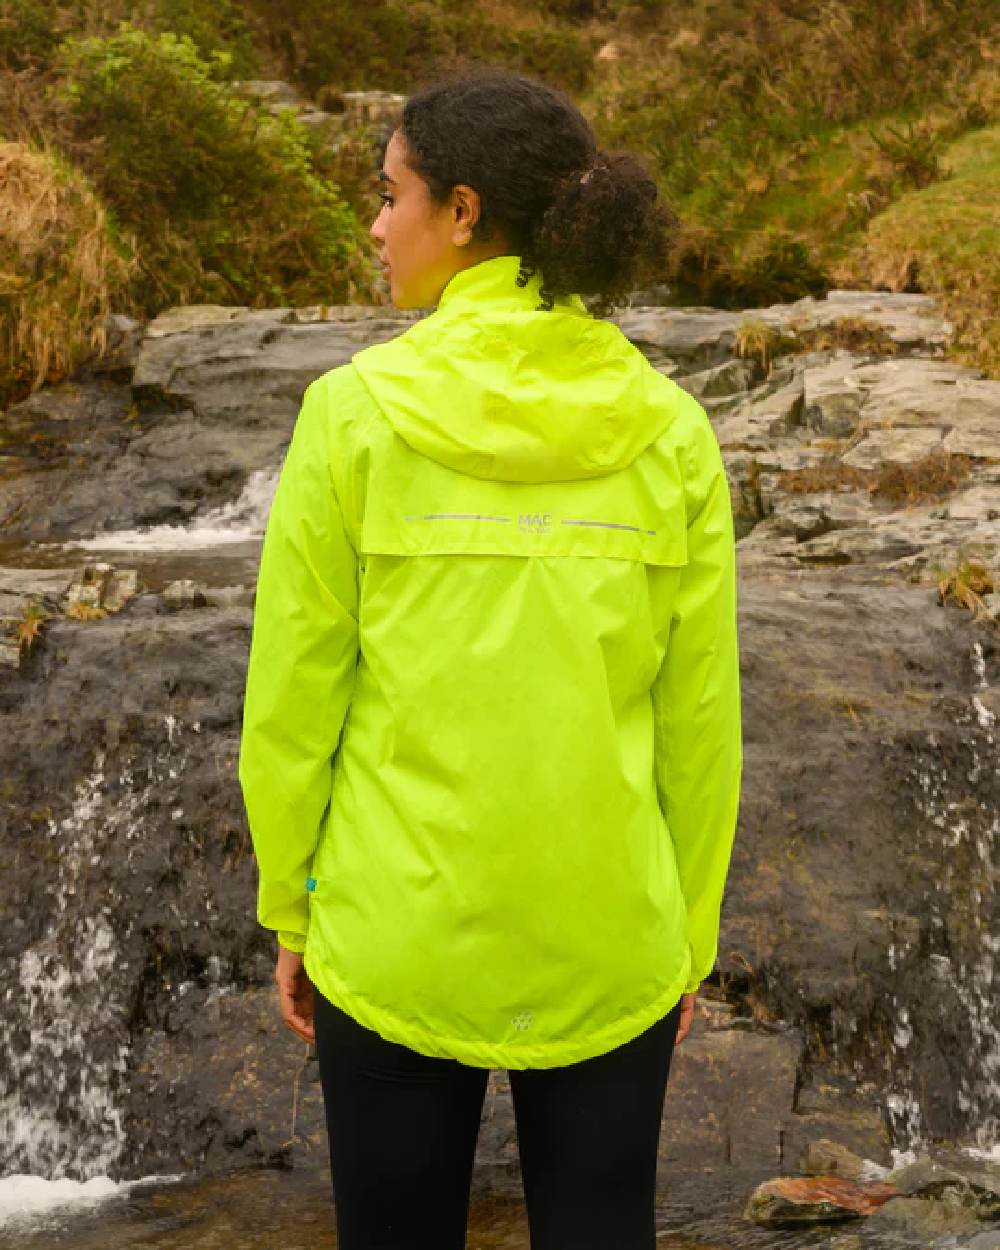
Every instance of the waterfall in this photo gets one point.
(64, 1032)
(241, 520)
(955, 955)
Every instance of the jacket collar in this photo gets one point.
(493, 282)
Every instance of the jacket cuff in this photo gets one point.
(292, 941)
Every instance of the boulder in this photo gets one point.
(895, 446)
(830, 1158)
(833, 397)
(790, 1202)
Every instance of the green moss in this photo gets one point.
(778, 139)
(945, 239)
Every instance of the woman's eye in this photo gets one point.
(386, 199)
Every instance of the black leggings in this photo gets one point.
(403, 1129)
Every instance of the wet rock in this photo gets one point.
(973, 1188)
(921, 1220)
(830, 1158)
(184, 593)
(830, 1106)
(100, 590)
(873, 696)
(241, 1089)
(706, 1129)
(789, 1202)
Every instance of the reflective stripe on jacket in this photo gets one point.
(491, 734)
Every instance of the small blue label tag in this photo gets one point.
(310, 884)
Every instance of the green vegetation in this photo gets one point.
(779, 131)
(855, 144)
(395, 45)
(966, 581)
(220, 196)
(61, 268)
(945, 238)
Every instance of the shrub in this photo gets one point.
(213, 26)
(61, 265)
(943, 239)
(395, 44)
(915, 153)
(222, 195)
(725, 98)
(28, 33)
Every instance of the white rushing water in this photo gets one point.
(64, 1028)
(24, 1199)
(241, 520)
(61, 1031)
(968, 834)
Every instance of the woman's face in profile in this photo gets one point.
(414, 233)
(422, 244)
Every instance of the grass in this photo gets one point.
(62, 266)
(29, 627)
(853, 145)
(945, 239)
(965, 583)
(932, 478)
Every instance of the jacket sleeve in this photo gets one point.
(696, 702)
(300, 674)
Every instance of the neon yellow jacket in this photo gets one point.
(491, 734)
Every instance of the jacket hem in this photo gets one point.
(486, 1054)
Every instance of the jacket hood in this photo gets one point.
(491, 387)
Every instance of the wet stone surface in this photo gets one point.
(858, 970)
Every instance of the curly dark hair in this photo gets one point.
(590, 220)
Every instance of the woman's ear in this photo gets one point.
(465, 213)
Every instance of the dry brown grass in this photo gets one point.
(29, 627)
(60, 269)
(903, 485)
(966, 584)
(855, 334)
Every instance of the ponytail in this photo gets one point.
(603, 234)
(589, 221)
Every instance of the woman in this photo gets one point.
(491, 743)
